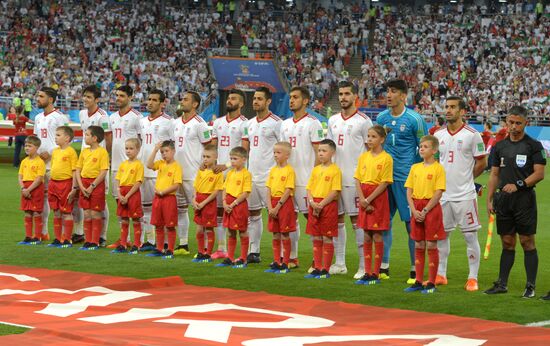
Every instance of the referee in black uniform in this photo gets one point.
(518, 165)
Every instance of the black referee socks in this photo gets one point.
(507, 258)
(531, 261)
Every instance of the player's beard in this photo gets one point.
(231, 108)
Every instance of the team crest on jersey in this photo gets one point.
(430, 176)
(94, 159)
(402, 128)
(65, 158)
(211, 179)
(379, 167)
(283, 178)
(238, 183)
(132, 171)
(459, 144)
(169, 174)
(521, 160)
(327, 178)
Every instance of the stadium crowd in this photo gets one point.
(49, 43)
(53, 44)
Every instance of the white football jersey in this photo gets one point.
(229, 135)
(457, 154)
(124, 126)
(154, 131)
(44, 128)
(98, 118)
(350, 135)
(262, 136)
(301, 134)
(190, 137)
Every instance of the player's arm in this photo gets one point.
(480, 165)
(433, 201)
(170, 189)
(109, 142)
(45, 155)
(74, 188)
(211, 197)
(151, 158)
(241, 198)
(133, 190)
(245, 144)
(100, 178)
(284, 198)
(20, 178)
(362, 202)
(377, 192)
(35, 183)
(415, 213)
(332, 196)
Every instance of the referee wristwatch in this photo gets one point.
(521, 185)
(92, 185)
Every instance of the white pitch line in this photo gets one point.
(16, 325)
(538, 324)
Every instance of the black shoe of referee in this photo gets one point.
(529, 291)
(498, 287)
(546, 297)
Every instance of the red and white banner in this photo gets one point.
(68, 308)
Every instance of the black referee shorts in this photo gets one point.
(516, 212)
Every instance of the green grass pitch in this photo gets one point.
(451, 299)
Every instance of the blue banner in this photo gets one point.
(246, 74)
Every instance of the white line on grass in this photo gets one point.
(16, 325)
(538, 324)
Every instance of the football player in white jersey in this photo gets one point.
(462, 154)
(155, 128)
(191, 133)
(125, 124)
(227, 133)
(304, 133)
(262, 133)
(45, 125)
(92, 114)
(349, 130)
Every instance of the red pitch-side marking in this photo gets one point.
(68, 308)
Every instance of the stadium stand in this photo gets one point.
(496, 59)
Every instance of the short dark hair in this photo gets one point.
(196, 97)
(398, 84)
(126, 89)
(488, 123)
(97, 131)
(239, 151)
(160, 93)
(168, 144)
(266, 91)
(519, 111)
(461, 103)
(51, 92)
(238, 92)
(348, 84)
(93, 89)
(303, 90)
(66, 130)
(328, 142)
(34, 141)
(440, 120)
